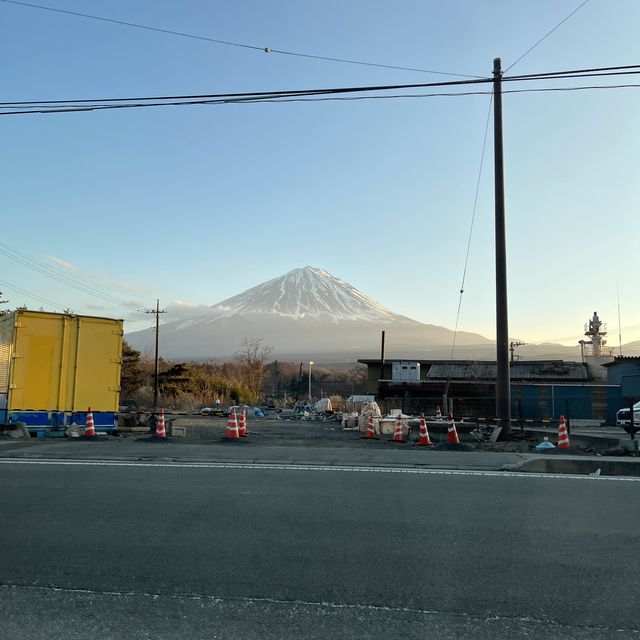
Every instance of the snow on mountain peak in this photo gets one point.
(306, 292)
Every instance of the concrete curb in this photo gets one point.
(579, 465)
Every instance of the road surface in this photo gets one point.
(170, 550)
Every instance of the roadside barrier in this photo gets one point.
(242, 423)
(398, 435)
(563, 436)
(89, 426)
(513, 420)
(232, 427)
(371, 429)
(424, 432)
(452, 433)
(161, 431)
(438, 413)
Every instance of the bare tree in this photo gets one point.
(252, 358)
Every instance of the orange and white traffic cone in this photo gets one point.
(371, 429)
(232, 426)
(398, 435)
(242, 424)
(438, 413)
(452, 433)
(563, 435)
(161, 431)
(89, 426)
(424, 432)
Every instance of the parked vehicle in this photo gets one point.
(251, 411)
(623, 416)
(54, 366)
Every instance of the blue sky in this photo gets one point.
(197, 204)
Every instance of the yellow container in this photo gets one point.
(59, 362)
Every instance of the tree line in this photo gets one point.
(248, 379)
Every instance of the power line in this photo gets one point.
(262, 94)
(573, 73)
(473, 218)
(229, 43)
(219, 98)
(14, 287)
(546, 35)
(34, 110)
(34, 265)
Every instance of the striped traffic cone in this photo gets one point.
(242, 424)
(424, 432)
(438, 413)
(563, 435)
(89, 426)
(161, 431)
(371, 429)
(232, 427)
(398, 435)
(452, 433)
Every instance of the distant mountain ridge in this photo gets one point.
(309, 314)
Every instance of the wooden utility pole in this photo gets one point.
(157, 313)
(503, 382)
(381, 376)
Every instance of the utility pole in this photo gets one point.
(157, 313)
(503, 382)
(381, 376)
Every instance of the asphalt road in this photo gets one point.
(185, 551)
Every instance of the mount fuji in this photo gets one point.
(306, 313)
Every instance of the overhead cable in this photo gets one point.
(18, 289)
(44, 110)
(473, 218)
(546, 35)
(34, 265)
(260, 95)
(229, 43)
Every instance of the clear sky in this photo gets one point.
(199, 203)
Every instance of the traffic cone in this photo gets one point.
(424, 432)
(232, 426)
(563, 435)
(89, 426)
(452, 434)
(242, 424)
(161, 431)
(371, 429)
(398, 435)
(438, 413)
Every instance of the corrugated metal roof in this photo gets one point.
(523, 370)
(622, 360)
(538, 370)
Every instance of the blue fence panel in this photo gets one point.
(573, 402)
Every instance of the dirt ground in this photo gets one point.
(311, 433)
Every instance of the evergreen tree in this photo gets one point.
(131, 375)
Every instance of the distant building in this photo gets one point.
(593, 352)
(541, 389)
(624, 371)
(593, 389)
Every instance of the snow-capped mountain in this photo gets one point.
(305, 312)
(303, 293)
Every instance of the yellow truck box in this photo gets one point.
(54, 366)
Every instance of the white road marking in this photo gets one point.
(324, 604)
(308, 467)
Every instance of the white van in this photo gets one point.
(623, 416)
